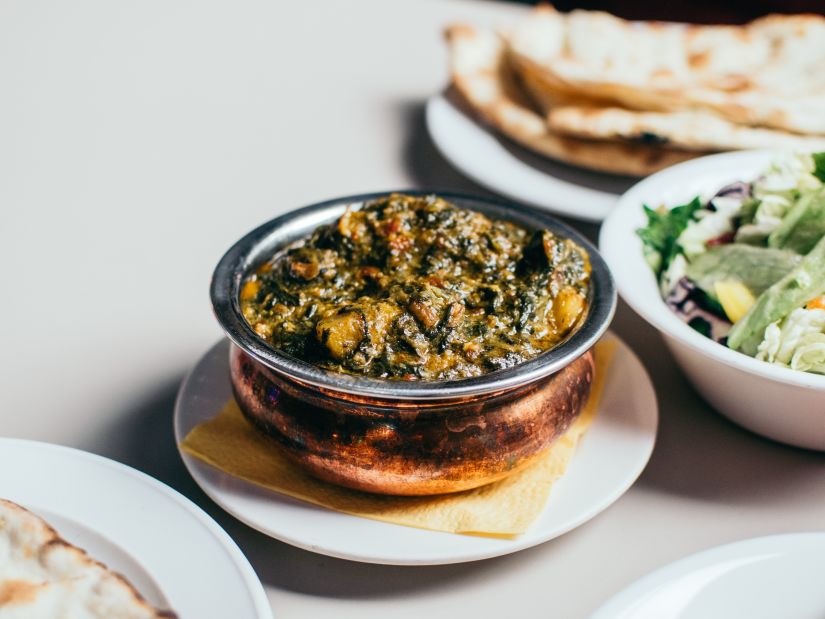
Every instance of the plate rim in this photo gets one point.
(623, 601)
(254, 587)
(594, 214)
(194, 466)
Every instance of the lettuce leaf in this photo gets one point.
(819, 166)
(662, 231)
(758, 268)
(803, 225)
(801, 284)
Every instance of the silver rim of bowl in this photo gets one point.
(258, 245)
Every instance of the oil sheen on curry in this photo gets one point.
(416, 288)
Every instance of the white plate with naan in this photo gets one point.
(169, 549)
(612, 454)
(602, 93)
(516, 173)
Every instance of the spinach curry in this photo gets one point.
(415, 288)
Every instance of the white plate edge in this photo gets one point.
(447, 151)
(518, 544)
(239, 560)
(624, 600)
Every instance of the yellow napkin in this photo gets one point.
(501, 509)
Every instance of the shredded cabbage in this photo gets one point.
(708, 225)
(797, 341)
(788, 174)
(777, 190)
(671, 276)
(769, 214)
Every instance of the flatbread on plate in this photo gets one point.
(766, 73)
(482, 75)
(689, 130)
(42, 576)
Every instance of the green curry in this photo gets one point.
(415, 288)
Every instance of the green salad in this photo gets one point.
(747, 266)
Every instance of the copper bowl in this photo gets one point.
(399, 437)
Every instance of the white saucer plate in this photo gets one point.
(166, 546)
(516, 173)
(610, 458)
(762, 578)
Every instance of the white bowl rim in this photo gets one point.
(621, 247)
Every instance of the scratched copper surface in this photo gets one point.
(405, 447)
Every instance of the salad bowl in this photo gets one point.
(773, 400)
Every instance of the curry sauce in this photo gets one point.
(416, 288)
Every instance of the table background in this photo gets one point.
(139, 140)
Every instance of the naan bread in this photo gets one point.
(44, 577)
(484, 78)
(767, 73)
(691, 130)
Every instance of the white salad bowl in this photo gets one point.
(775, 401)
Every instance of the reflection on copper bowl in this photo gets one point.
(399, 437)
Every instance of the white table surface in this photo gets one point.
(138, 140)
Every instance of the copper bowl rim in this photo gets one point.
(259, 244)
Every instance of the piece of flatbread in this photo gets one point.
(44, 577)
(691, 130)
(766, 73)
(483, 77)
